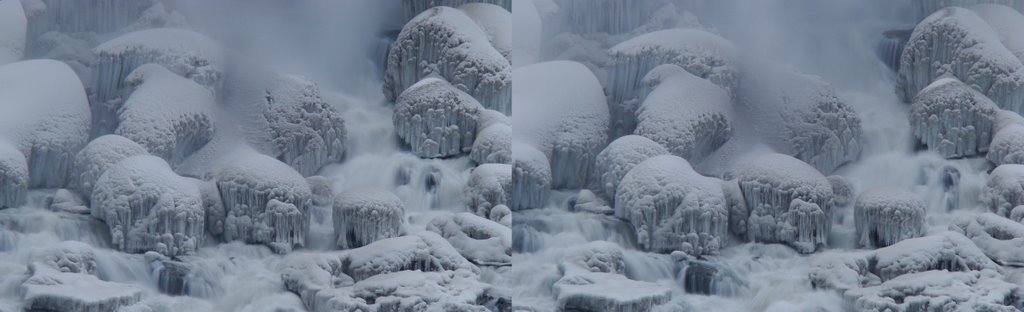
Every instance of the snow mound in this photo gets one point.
(424, 252)
(956, 41)
(45, 113)
(364, 216)
(49, 289)
(788, 202)
(436, 119)
(265, 202)
(489, 185)
(949, 251)
(924, 8)
(672, 207)
(1006, 21)
(531, 177)
(839, 270)
(445, 42)
(953, 119)
(68, 256)
(1007, 146)
(1004, 189)
(886, 216)
(411, 8)
(413, 291)
(495, 21)
(1000, 238)
(689, 116)
(13, 177)
(493, 145)
(99, 155)
(481, 241)
(938, 291)
(598, 291)
(13, 27)
(703, 54)
(563, 112)
(619, 157)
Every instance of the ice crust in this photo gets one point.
(1000, 238)
(423, 251)
(1004, 189)
(886, 216)
(13, 28)
(493, 145)
(99, 155)
(489, 185)
(13, 177)
(619, 157)
(949, 251)
(64, 278)
(924, 8)
(607, 16)
(1007, 146)
(363, 216)
(436, 119)
(953, 119)
(495, 21)
(531, 177)
(481, 241)
(73, 16)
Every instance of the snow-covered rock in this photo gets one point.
(424, 251)
(526, 39)
(411, 8)
(839, 270)
(1004, 189)
(842, 191)
(956, 41)
(13, 177)
(149, 208)
(489, 185)
(938, 291)
(944, 251)
(596, 256)
(446, 42)
(495, 21)
(71, 16)
(1007, 146)
(481, 241)
(531, 177)
(13, 28)
(99, 155)
(436, 119)
(924, 8)
(672, 207)
(953, 119)
(49, 289)
(598, 291)
(493, 145)
(1006, 21)
(1000, 238)
(413, 291)
(788, 202)
(562, 111)
(64, 200)
(265, 202)
(689, 116)
(885, 216)
(363, 216)
(619, 157)
(45, 114)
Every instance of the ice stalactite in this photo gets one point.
(444, 42)
(411, 8)
(938, 291)
(13, 27)
(479, 240)
(672, 207)
(149, 208)
(703, 54)
(248, 186)
(593, 279)
(495, 21)
(1004, 189)
(13, 177)
(98, 156)
(949, 251)
(953, 119)
(64, 278)
(788, 202)
(1000, 238)
(436, 119)
(72, 16)
(608, 16)
(619, 157)
(1007, 146)
(493, 145)
(924, 8)
(489, 185)
(531, 177)
(362, 216)
(886, 216)
(689, 116)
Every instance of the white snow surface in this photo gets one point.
(689, 116)
(362, 216)
(619, 157)
(937, 291)
(436, 119)
(99, 155)
(953, 119)
(495, 21)
(489, 185)
(1000, 238)
(1007, 145)
(1004, 189)
(481, 241)
(943, 251)
(13, 28)
(493, 145)
(1007, 22)
(13, 176)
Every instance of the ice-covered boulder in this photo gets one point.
(839, 271)
(956, 41)
(489, 185)
(493, 145)
(495, 21)
(446, 42)
(619, 157)
(1000, 238)
(413, 291)
(13, 28)
(436, 119)
(924, 8)
(1004, 189)
(938, 291)
(1006, 21)
(949, 251)
(599, 291)
(689, 116)
(45, 114)
(411, 8)
(526, 39)
(149, 208)
(1007, 146)
(99, 155)
(703, 54)
(72, 16)
(953, 119)
(481, 241)
(885, 216)
(425, 252)
(13, 177)
(265, 202)
(788, 202)
(672, 207)
(531, 177)
(49, 289)
(562, 111)
(363, 216)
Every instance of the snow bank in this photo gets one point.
(413, 291)
(445, 42)
(953, 119)
(493, 145)
(1004, 189)
(1007, 146)
(689, 116)
(531, 177)
(49, 289)
(788, 202)
(1000, 238)
(672, 207)
(938, 291)
(13, 177)
(13, 28)
(436, 119)
(842, 190)
(562, 111)
(619, 157)
(886, 216)
(99, 155)
(489, 185)
(367, 215)
(411, 8)
(949, 251)
(495, 21)
(149, 208)
(481, 241)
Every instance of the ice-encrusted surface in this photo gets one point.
(531, 177)
(924, 8)
(410, 8)
(607, 16)
(493, 144)
(886, 216)
(619, 157)
(13, 176)
(1007, 146)
(412, 252)
(1000, 238)
(436, 119)
(99, 155)
(1004, 189)
(64, 286)
(481, 241)
(495, 21)
(672, 207)
(949, 251)
(953, 119)
(1006, 21)
(366, 215)
(71, 16)
(938, 291)
(13, 27)
(148, 207)
(489, 185)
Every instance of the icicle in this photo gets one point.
(436, 119)
(885, 216)
(365, 216)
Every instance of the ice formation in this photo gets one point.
(1004, 189)
(672, 207)
(366, 215)
(924, 8)
(619, 157)
(565, 115)
(13, 177)
(481, 241)
(703, 54)
(1006, 21)
(788, 201)
(1000, 238)
(149, 208)
(436, 119)
(956, 41)
(1007, 146)
(949, 251)
(265, 202)
(593, 280)
(69, 16)
(99, 155)
(489, 185)
(64, 278)
(424, 251)
(938, 291)
(413, 291)
(839, 270)
(12, 36)
(953, 119)
(411, 8)
(886, 216)
(493, 145)
(45, 113)
(323, 192)
(495, 21)
(445, 42)
(689, 116)
(531, 177)
(613, 17)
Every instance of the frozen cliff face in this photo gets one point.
(411, 8)
(436, 119)
(886, 216)
(1006, 21)
(938, 291)
(323, 191)
(526, 39)
(531, 177)
(13, 27)
(949, 251)
(619, 157)
(71, 16)
(593, 280)
(63, 278)
(443, 41)
(689, 116)
(1004, 189)
(563, 112)
(45, 114)
(265, 202)
(608, 16)
(953, 119)
(481, 241)
(672, 207)
(924, 8)
(99, 155)
(596, 256)
(170, 116)
(13, 176)
(366, 215)
(489, 185)
(788, 202)
(1000, 238)
(703, 54)
(1007, 146)
(493, 145)
(149, 208)
(495, 21)
(956, 41)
